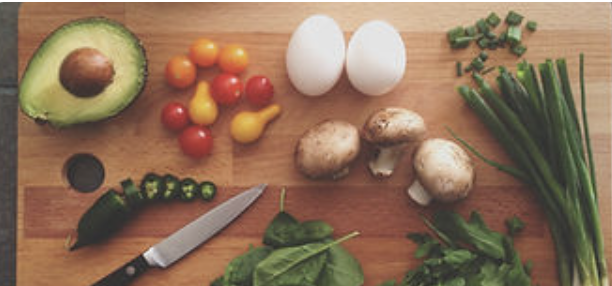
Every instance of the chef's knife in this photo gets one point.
(184, 240)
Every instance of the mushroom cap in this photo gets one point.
(327, 148)
(392, 126)
(444, 169)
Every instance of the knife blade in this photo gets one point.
(183, 241)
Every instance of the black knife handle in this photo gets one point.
(126, 274)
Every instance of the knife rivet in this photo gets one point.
(130, 270)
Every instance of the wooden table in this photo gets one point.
(135, 143)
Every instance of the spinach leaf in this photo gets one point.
(217, 282)
(299, 265)
(387, 283)
(315, 231)
(239, 272)
(282, 231)
(341, 269)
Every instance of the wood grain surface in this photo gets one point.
(135, 143)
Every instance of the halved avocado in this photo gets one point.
(85, 71)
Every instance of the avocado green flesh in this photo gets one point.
(42, 96)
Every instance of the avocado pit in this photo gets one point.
(86, 72)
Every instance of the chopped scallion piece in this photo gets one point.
(514, 35)
(471, 31)
(455, 33)
(482, 26)
(519, 50)
(459, 69)
(532, 26)
(483, 43)
(490, 35)
(493, 44)
(493, 19)
(488, 70)
(461, 42)
(483, 56)
(514, 18)
(477, 64)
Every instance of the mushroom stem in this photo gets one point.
(419, 194)
(340, 174)
(383, 163)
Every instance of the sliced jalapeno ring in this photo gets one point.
(208, 190)
(152, 186)
(171, 187)
(188, 189)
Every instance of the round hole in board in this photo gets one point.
(84, 172)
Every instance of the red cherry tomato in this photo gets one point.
(174, 116)
(196, 141)
(226, 89)
(259, 90)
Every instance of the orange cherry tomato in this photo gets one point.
(180, 72)
(233, 59)
(204, 52)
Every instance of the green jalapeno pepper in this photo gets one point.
(102, 219)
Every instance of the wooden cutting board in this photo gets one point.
(135, 143)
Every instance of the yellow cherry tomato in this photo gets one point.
(202, 108)
(248, 126)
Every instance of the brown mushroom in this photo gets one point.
(326, 150)
(444, 172)
(390, 130)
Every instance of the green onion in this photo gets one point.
(536, 122)
(532, 26)
(483, 43)
(477, 64)
(471, 31)
(459, 69)
(455, 33)
(461, 42)
(483, 56)
(482, 26)
(493, 19)
(514, 35)
(519, 50)
(513, 18)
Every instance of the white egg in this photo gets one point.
(376, 58)
(315, 56)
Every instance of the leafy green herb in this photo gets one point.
(480, 256)
(514, 225)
